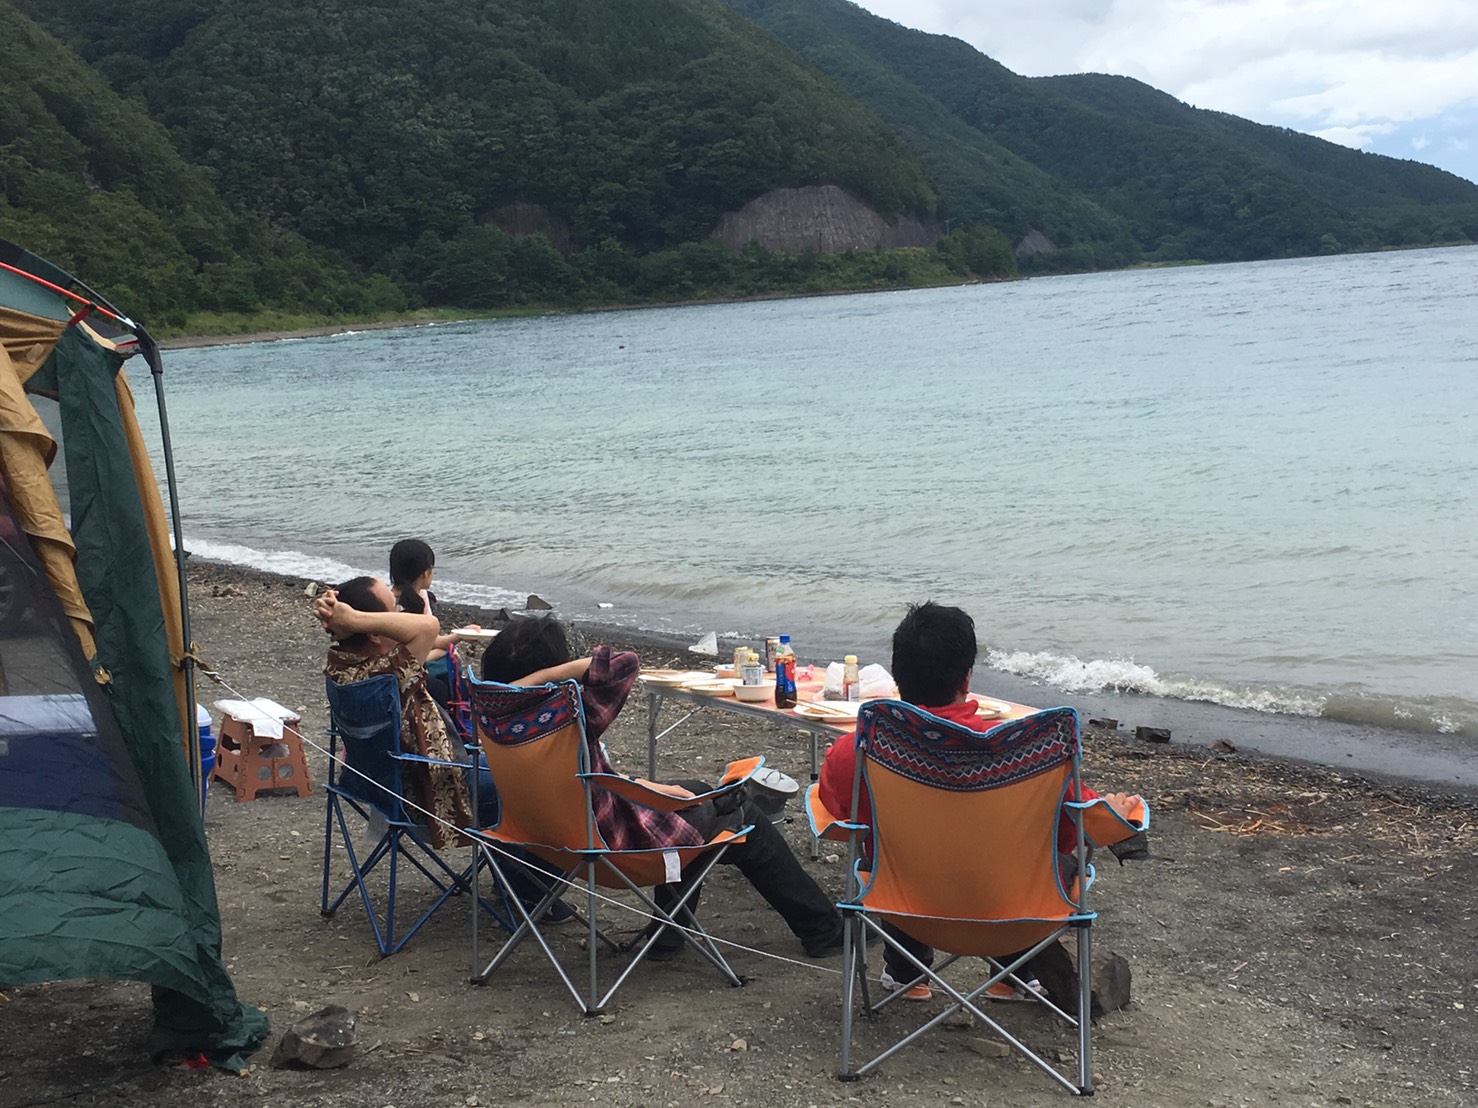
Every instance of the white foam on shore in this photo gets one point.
(288, 563)
(294, 563)
(1072, 674)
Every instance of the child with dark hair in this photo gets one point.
(412, 566)
(372, 638)
(535, 651)
(934, 651)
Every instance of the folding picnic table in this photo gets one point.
(808, 690)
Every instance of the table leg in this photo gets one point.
(654, 705)
(815, 776)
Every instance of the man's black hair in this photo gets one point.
(525, 646)
(933, 652)
(358, 593)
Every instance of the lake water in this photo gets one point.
(1250, 485)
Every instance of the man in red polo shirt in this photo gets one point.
(934, 652)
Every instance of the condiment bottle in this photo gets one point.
(739, 653)
(785, 674)
(754, 672)
(851, 686)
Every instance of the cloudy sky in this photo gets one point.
(1397, 77)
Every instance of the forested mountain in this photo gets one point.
(352, 158)
(398, 131)
(1188, 183)
(91, 182)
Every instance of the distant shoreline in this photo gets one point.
(190, 342)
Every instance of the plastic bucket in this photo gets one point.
(207, 752)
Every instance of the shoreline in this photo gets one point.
(190, 342)
(1438, 766)
(326, 330)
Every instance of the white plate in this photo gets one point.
(692, 680)
(991, 709)
(673, 677)
(829, 711)
(712, 688)
(484, 634)
(663, 677)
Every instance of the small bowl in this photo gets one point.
(754, 694)
(726, 672)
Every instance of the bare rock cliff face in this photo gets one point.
(1035, 243)
(823, 218)
(523, 218)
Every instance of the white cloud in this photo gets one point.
(1349, 70)
(1421, 142)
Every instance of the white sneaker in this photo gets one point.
(919, 991)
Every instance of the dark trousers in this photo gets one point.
(767, 862)
(900, 968)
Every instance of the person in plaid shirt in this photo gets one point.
(534, 652)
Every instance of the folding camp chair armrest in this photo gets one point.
(723, 837)
(824, 825)
(1104, 826)
(740, 771)
(423, 760)
(638, 793)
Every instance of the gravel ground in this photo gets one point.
(1303, 938)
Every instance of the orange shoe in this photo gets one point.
(1005, 990)
(918, 991)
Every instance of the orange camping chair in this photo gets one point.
(962, 855)
(533, 741)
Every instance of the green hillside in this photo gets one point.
(88, 180)
(1187, 183)
(980, 180)
(397, 133)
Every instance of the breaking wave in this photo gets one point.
(1069, 673)
(294, 563)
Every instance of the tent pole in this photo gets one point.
(150, 351)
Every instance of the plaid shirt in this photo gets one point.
(624, 824)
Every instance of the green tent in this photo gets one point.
(106, 873)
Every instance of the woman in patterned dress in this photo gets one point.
(372, 638)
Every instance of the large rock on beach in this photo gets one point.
(1056, 968)
(322, 1041)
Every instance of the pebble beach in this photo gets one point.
(1301, 936)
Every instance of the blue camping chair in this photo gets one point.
(459, 704)
(364, 775)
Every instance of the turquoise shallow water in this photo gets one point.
(1248, 484)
